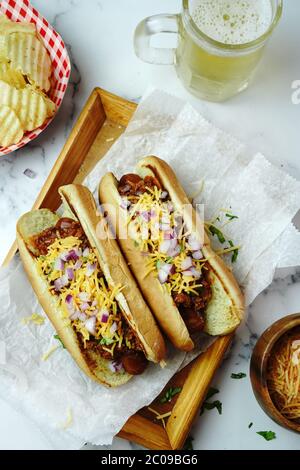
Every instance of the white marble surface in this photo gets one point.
(98, 34)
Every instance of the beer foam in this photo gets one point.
(232, 21)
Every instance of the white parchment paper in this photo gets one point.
(264, 198)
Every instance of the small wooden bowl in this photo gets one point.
(258, 368)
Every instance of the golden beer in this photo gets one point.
(220, 43)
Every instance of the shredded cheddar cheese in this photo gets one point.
(284, 376)
(34, 318)
(160, 417)
(147, 218)
(46, 356)
(69, 420)
(84, 293)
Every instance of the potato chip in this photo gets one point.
(28, 104)
(7, 26)
(10, 76)
(11, 131)
(51, 106)
(28, 55)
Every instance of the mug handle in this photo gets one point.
(147, 28)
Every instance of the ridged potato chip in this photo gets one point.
(30, 105)
(51, 106)
(11, 131)
(28, 55)
(10, 76)
(7, 26)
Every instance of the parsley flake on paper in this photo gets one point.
(240, 375)
(267, 435)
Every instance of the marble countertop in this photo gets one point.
(98, 34)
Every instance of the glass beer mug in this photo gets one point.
(220, 43)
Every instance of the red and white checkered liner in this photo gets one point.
(22, 10)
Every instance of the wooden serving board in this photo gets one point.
(103, 119)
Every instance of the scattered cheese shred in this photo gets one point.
(34, 318)
(48, 353)
(160, 417)
(69, 420)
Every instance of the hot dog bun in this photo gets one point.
(80, 205)
(225, 309)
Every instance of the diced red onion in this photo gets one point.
(59, 264)
(165, 246)
(164, 271)
(166, 267)
(162, 276)
(192, 272)
(64, 255)
(164, 195)
(170, 207)
(90, 269)
(82, 316)
(169, 235)
(61, 282)
(104, 316)
(188, 272)
(30, 173)
(84, 306)
(69, 299)
(115, 366)
(174, 249)
(164, 226)
(145, 215)
(86, 252)
(125, 203)
(187, 263)
(75, 315)
(78, 264)
(84, 296)
(194, 243)
(152, 213)
(71, 256)
(113, 328)
(70, 304)
(90, 325)
(70, 273)
(94, 303)
(175, 252)
(197, 254)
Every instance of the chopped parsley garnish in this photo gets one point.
(235, 252)
(215, 231)
(250, 425)
(211, 392)
(169, 259)
(58, 339)
(136, 243)
(240, 375)
(170, 393)
(188, 445)
(267, 435)
(231, 216)
(211, 405)
(106, 341)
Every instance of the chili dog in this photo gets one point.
(187, 286)
(86, 289)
